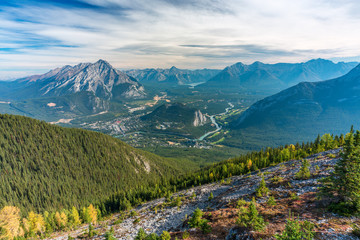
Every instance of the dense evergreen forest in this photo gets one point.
(46, 167)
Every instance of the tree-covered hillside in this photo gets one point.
(43, 166)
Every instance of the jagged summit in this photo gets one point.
(100, 78)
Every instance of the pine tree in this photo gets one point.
(165, 236)
(211, 196)
(250, 218)
(296, 230)
(304, 172)
(141, 234)
(262, 190)
(343, 185)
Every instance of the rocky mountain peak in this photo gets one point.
(100, 78)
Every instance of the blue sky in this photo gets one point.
(36, 36)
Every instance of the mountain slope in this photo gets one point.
(99, 78)
(176, 119)
(301, 112)
(49, 167)
(176, 112)
(274, 77)
(172, 76)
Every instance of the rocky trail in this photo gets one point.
(299, 196)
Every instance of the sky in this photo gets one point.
(39, 35)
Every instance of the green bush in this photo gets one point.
(141, 234)
(356, 230)
(185, 235)
(296, 230)
(196, 221)
(271, 201)
(109, 235)
(294, 196)
(304, 172)
(250, 218)
(165, 236)
(262, 190)
(211, 196)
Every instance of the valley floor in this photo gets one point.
(297, 196)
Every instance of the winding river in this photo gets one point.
(213, 121)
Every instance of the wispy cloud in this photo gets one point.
(36, 36)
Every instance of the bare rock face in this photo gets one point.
(99, 78)
(200, 119)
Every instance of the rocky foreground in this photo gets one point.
(297, 196)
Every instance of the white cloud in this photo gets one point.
(139, 33)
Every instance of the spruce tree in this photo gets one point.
(304, 172)
(250, 218)
(343, 184)
(262, 190)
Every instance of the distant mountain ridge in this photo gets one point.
(301, 112)
(172, 75)
(275, 77)
(99, 78)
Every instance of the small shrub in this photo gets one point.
(165, 236)
(141, 234)
(91, 231)
(228, 181)
(118, 221)
(262, 190)
(133, 213)
(211, 196)
(185, 235)
(176, 202)
(241, 203)
(152, 236)
(271, 201)
(317, 169)
(250, 218)
(196, 221)
(109, 235)
(304, 172)
(136, 221)
(276, 180)
(330, 155)
(294, 196)
(356, 230)
(296, 230)
(205, 227)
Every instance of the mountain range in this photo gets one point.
(99, 78)
(172, 76)
(301, 112)
(83, 89)
(274, 77)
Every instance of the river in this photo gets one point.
(213, 121)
